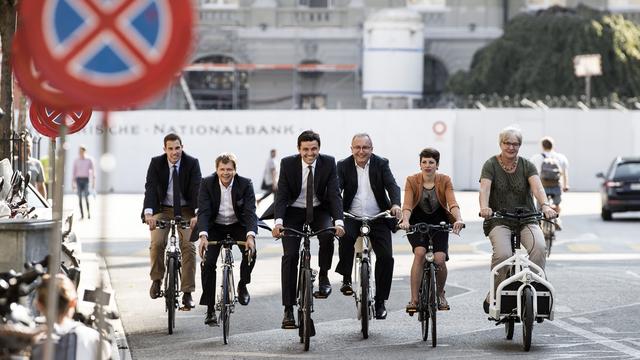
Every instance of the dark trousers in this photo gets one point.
(208, 269)
(380, 237)
(295, 218)
(82, 186)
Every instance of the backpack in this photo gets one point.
(550, 171)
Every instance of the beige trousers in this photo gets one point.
(159, 239)
(531, 237)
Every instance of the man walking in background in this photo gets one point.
(83, 178)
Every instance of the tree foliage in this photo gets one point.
(535, 56)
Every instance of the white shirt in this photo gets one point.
(268, 171)
(301, 201)
(563, 162)
(226, 214)
(87, 340)
(364, 203)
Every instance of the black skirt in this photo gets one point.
(440, 238)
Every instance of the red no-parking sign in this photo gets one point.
(31, 80)
(109, 54)
(47, 120)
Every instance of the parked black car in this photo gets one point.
(620, 190)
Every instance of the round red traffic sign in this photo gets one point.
(30, 79)
(49, 119)
(109, 54)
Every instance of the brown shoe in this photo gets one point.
(154, 292)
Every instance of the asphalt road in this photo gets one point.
(594, 268)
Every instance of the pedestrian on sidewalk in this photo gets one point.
(83, 178)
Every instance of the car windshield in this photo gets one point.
(628, 171)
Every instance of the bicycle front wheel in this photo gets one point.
(527, 317)
(226, 304)
(170, 295)
(364, 298)
(306, 309)
(433, 304)
(423, 306)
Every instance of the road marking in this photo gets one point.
(580, 320)
(585, 248)
(461, 248)
(596, 338)
(604, 330)
(579, 238)
(629, 272)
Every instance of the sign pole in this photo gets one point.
(587, 83)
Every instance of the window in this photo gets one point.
(208, 4)
(219, 89)
(312, 101)
(628, 171)
(427, 4)
(541, 4)
(624, 4)
(318, 4)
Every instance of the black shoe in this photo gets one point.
(346, 288)
(324, 288)
(288, 321)
(485, 306)
(187, 301)
(243, 294)
(154, 292)
(381, 310)
(211, 319)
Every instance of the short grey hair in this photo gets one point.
(358, 135)
(510, 131)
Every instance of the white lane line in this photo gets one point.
(596, 338)
(562, 308)
(580, 320)
(604, 330)
(629, 272)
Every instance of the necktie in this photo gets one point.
(175, 179)
(310, 195)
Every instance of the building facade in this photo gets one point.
(308, 54)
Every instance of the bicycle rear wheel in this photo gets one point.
(508, 328)
(423, 306)
(306, 309)
(364, 298)
(170, 295)
(225, 314)
(527, 317)
(433, 304)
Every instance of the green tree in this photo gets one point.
(534, 57)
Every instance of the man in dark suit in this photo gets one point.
(293, 209)
(171, 189)
(368, 189)
(226, 205)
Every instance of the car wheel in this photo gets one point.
(605, 214)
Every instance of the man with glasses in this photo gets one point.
(368, 188)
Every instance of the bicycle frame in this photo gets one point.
(226, 261)
(172, 251)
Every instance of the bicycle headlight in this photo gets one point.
(430, 256)
(364, 229)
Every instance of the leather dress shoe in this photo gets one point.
(211, 318)
(154, 292)
(187, 301)
(346, 288)
(324, 288)
(243, 294)
(288, 321)
(381, 310)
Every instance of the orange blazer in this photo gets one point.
(444, 193)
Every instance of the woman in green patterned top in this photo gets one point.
(507, 181)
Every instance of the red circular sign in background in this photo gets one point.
(47, 120)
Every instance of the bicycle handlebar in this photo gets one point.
(311, 234)
(424, 228)
(384, 214)
(162, 224)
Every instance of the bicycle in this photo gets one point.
(526, 294)
(427, 306)
(549, 228)
(362, 266)
(306, 277)
(173, 263)
(227, 298)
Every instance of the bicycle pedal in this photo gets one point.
(290, 327)
(184, 308)
(317, 295)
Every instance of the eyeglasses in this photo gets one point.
(358, 148)
(512, 144)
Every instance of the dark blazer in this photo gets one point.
(155, 187)
(380, 177)
(242, 197)
(325, 183)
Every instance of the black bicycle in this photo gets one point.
(306, 277)
(427, 306)
(173, 264)
(549, 228)
(363, 293)
(227, 298)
